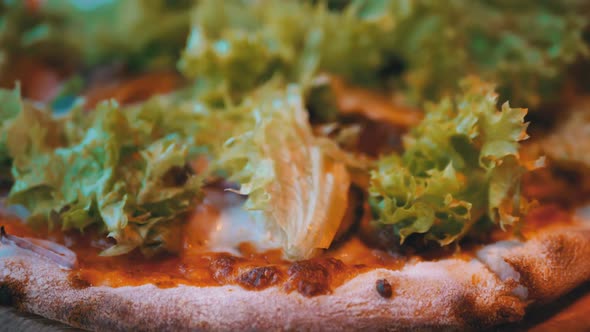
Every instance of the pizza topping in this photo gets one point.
(312, 277)
(461, 164)
(436, 43)
(523, 47)
(207, 262)
(287, 174)
(9, 110)
(219, 223)
(104, 31)
(50, 250)
(236, 46)
(260, 277)
(129, 171)
(124, 170)
(384, 288)
(374, 106)
(223, 267)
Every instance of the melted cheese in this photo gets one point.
(582, 214)
(224, 244)
(220, 224)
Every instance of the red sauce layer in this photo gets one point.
(251, 269)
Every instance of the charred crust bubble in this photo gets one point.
(223, 266)
(11, 292)
(80, 313)
(309, 278)
(384, 288)
(77, 282)
(312, 277)
(477, 318)
(259, 277)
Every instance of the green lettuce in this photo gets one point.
(287, 173)
(91, 32)
(235, 46)
(524, 46)
(11, 107)
(23, 130)
(461, 164)
(118, 168)
(126, 169)
(422, 47)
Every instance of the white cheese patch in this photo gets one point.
(234, 226)
(18, 211)
(582, 214)
(223, 224)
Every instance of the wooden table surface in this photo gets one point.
(571, 313)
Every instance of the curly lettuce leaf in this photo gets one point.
(90, 32)
(11, 107)
(235, 46)
(285, 172)
(523, 46)
(459, 165)
(24, 131)
(112, 167)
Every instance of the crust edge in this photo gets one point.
(448, 293)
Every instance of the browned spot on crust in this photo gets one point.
(384, 288)
(223, 266)
(80, 313)
(312, 277)
(11, 292)
(83, 313)
(201, 268)
(559, 262)
(77, 282)
(165, 284)
(259, 277)
(476, 316)
(527, 275)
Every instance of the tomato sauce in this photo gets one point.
(250, 268)
(194, 265)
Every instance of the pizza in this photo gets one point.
(292, 165)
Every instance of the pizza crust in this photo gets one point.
(449, 293)
(553, 263)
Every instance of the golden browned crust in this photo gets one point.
(494, 288)
(553, 263)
